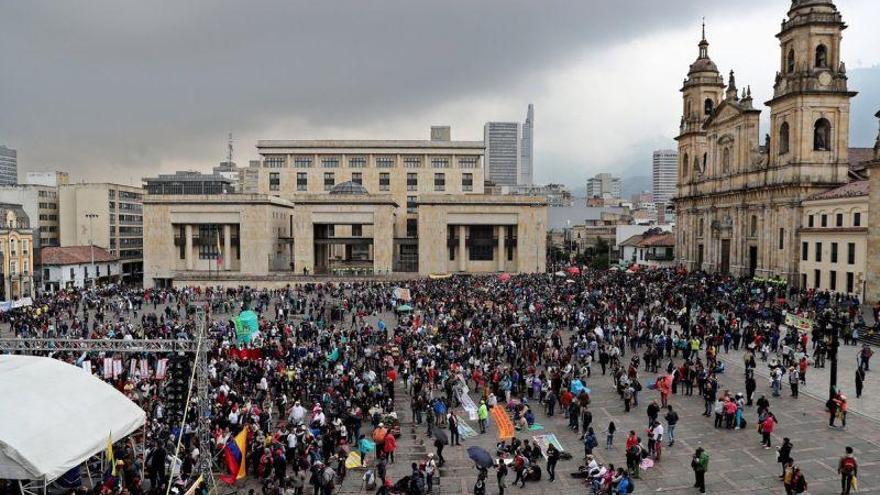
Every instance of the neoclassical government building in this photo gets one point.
(739, 196)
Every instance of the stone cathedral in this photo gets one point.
(739, 196)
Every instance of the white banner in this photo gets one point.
(468, 404)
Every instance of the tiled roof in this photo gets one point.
(74, 255)
(632, 241)
(666, 239)
(858, 156)
(850, 190)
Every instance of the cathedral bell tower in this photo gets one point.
(702, 91)
(809, 112)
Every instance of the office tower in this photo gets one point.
(604, 186)
(8, 166)
(527, 159)
(503, 152)
(665, 172)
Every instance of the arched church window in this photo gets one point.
(822, 135)
(684, 165)
(789, 63)
(821, 57)
(753, 226)
(708, 106)
(697, 166)
(783, 138)
(705, 160)
(725, 160)
(700, 229)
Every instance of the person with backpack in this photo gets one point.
(416, 481)
(519, 467)
(501, 475)
(700, 464)
(438, 443)
(625, 485)
(430, 472)
(848, 469)
(798, 482)
(590, 442)
(480, 485)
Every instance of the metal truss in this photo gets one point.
(199, 347)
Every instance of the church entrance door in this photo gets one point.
(725, 255)
(753, 260)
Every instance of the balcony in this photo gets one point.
(659, 257)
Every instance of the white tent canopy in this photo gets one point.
(55, 416)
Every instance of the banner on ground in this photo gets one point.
(465, 431)
(544, 441)
(468, 404)
(799, 322)
(503, 422)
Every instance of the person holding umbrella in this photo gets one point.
(440, 439)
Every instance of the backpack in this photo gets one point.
(631, 487)
(848, 465)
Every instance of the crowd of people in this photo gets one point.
(320, 379)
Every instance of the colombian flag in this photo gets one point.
(236, 450)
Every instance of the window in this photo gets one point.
(857, 219)
(357, 230)
(832, 280)
(412, 227)
(357, 177)
(384, 181)
(789, 63)
(781, 238)
(482, 242)
(708, 106)
(467, 182)
(805, 251)
(72, 274)
(330, 162)
(753, 227)
(467, 162)
(725, 160)
(803, 280)
(834, 252)
(302, 162)
(822, 135)
(329, 180)
(851, 253)
(684, 165)
(412, 181)
(411, 204)
(357, 162)
(818, 252)
(412, 162)
(810, 221)
(440, 182)
(850, 282)
(784, 136)
(302, 181)
(817, 279)
(385, 162)
(274, 161)
(274, 181)
(824, 220)
(701, 227)
(210, 239)
(838, 220)
(440, 162)
(821, 57)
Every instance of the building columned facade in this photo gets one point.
(739, 198)
(16, 253)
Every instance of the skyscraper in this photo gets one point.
(527, 172)
(503, 152)
(8, 166)
(665, 173)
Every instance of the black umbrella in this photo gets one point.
(480, 456)
(440, 434)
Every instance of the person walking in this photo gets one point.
(783, 456)
(609, 435)
(700, 464)
(454, 437)
(590, 442)
(860, 381)
(848, 469)
(501, 474)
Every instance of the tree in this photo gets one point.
(601, 259)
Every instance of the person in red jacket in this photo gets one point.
(389, 447)
(766, 427)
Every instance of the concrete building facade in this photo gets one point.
(527, 170)
(8, 166)
(16, 253)
(107, 215)
(77, 267)
(739, 202)
(603, 186)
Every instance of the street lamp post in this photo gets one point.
(92, 217)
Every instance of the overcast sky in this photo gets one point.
(122, 89)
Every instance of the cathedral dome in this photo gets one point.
(349, 188)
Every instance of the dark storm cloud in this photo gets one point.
(99, 85)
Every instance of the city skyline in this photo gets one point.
(584, 81)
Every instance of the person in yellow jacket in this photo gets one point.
(483, 415)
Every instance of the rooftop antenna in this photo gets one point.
(229, 149)
(704, 28)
